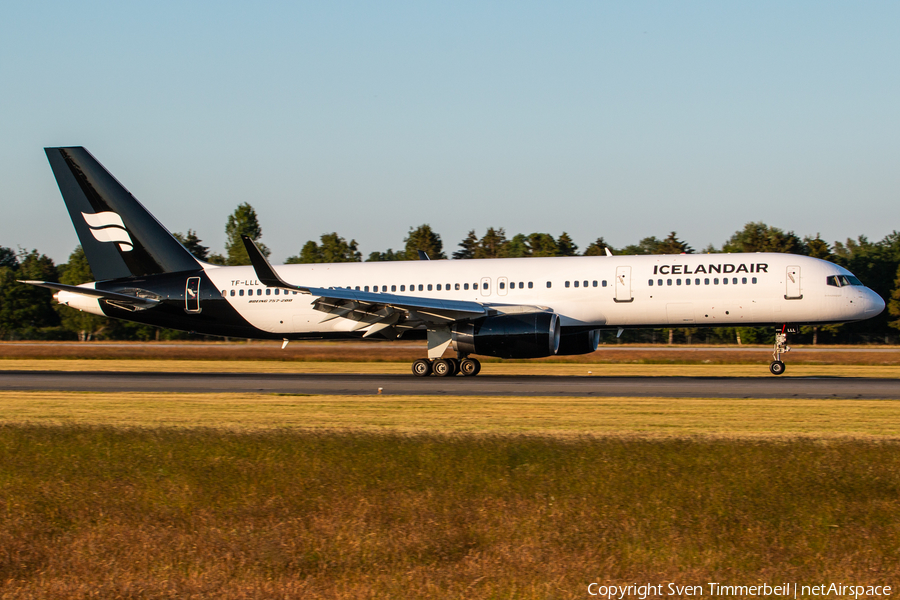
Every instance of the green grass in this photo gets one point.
(91, 511)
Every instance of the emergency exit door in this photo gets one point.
(623, 285)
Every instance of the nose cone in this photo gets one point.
(874, 303)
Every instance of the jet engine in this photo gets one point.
(524, 335)
(583, 342)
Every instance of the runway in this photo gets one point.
(483, 385)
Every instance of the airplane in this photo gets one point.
(507, 308)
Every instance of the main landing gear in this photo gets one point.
(446, 367)
(781, 338)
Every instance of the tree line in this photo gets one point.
(27, 312)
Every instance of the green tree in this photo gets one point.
(386, 256)
(469, 246)
(672, 245)
(243, 221)
(25, 310)
(818, 248)
(565, 246)
(894, 303)
(425, 239)
(334, 249)
(493, 244)
(759, 237)
(193, 245)
(598, 248)
(648, 245)
(85, 325)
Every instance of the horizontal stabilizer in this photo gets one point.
(84, 291)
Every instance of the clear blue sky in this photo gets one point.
(623, 119)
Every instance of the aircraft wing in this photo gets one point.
(380, 312)
(134, 301)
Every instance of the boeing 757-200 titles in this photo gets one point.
(508, 308)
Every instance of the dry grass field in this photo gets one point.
(653, 418)
(403, 352)
(107, 512)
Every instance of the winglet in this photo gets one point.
(608, 253)
(423, 255)
(264, 271)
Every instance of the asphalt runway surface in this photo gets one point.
(482, 385)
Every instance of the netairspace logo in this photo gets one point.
(109, 227)
(716, 589)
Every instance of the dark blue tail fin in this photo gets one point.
(120, 238)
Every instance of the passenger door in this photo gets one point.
(623, 285)
(192, 295)
(792, 284)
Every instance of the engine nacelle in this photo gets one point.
(526, 335)
(583, 342)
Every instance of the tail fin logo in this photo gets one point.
(108, 227)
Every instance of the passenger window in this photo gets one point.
(734, 280)
(259, 292)
(384, 288)
(697, 281)
(447, 287)
(677, 282)
(604, 283)
(438, 287)
(421, 287)
(753, 280)
(715, 281)
(595, 283)
(402, 288)
(429, 287)
(393, 288)
(530, 285)
(687, 281)
(549, 284)
(276, 291)
(502, 285)
(240, 292)
(268, 291)
(576, 284)
(668, 282)
(650, 282)
(659, 282)
(366, 288)
(485, 285)
(706, 281)
(743, 280)
(585, 283)
(567, 284)
(232, 292)
(465, 286)
(474, 286)
(724, 281)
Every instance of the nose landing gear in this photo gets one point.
(781, 337)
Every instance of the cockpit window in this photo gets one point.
(842, 280)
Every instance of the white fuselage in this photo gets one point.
(687, 290)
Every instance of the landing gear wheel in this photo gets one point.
(442, 367)
(777, 367)
(421, 367)
(469, 367)
(454, 362)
